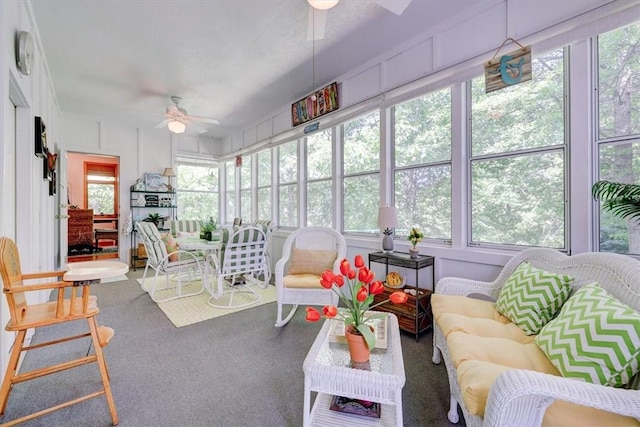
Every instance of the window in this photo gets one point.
(245, 189)
(230, 193)
(517, 160)
(101, 181)
(618, 133)
(288, 184)
(361, 174)
(422, 173)
(197, 189)
(319, 172)
(264, 184)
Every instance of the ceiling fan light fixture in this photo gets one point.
(176, 126)
(322, 4)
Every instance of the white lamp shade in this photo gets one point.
(176, 126)
(387, 217)
(323, 4)
(169, 172)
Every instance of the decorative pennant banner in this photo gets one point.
(509, 69)
(314, 105)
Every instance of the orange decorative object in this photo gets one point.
(358, 348)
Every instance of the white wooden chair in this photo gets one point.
(242, 257)
(306, 254)
(178, 273)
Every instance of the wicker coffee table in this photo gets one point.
(328, 371)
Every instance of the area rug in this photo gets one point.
(189, 310)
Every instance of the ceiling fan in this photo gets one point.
(177, 119)
(318, 14)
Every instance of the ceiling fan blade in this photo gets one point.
(316, 24)
(395, 6)
(162, 124)
(204, 120)
(193, 128)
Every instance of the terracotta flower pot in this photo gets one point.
(358, 349)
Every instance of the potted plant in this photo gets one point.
(154, 218)
(415, 236)
(356, 290)
(622, 200)
(207, 228)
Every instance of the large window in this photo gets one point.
(101, 180)
(230, 191)
(319, 173)
(264, 184)
(245, 189)
(197, 189)
(618, 131)
(422, 174)
(361, 174)
(518, 157)
(288, 184)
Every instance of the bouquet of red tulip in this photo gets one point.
(356, 290)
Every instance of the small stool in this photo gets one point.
(106, 233)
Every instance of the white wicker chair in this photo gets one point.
(177, 274)
(243, 255)
(521, 397)
(319, 238)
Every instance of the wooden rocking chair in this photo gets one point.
(24, 316)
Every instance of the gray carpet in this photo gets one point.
(235, 370)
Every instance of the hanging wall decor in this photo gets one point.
(41, 149)
(314, 105)
(509, 69)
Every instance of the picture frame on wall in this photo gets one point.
(46, 172)
(53, 183)
(40, 131)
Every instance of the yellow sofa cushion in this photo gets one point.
(566, 414)
(464, 347)
(454, 322)
(476, 377)
(306, 281)
(310, 261)
(469, 307)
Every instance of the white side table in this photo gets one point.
(327, 371)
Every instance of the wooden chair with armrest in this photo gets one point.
(24, 316)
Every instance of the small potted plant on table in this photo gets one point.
(415, 236)
(207, 228)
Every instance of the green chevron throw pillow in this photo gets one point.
(531, 297)
(595, 338)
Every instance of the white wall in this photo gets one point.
(27, 212)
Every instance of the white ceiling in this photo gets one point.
(232, 60)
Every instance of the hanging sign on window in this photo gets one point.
(509, 69)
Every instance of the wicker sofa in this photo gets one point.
(495, 385)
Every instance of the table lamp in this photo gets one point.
(387, 221)
(169, 173)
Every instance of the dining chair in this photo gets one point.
(241, 265)
(25, 316)
(178, 269)
(306, 254)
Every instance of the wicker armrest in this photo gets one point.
(459, 286)
(520, 397)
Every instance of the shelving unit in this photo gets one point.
(143, 203)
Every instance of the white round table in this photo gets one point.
(90, 272)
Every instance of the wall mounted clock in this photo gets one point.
(24, 52)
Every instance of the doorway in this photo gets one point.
(94, 207)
